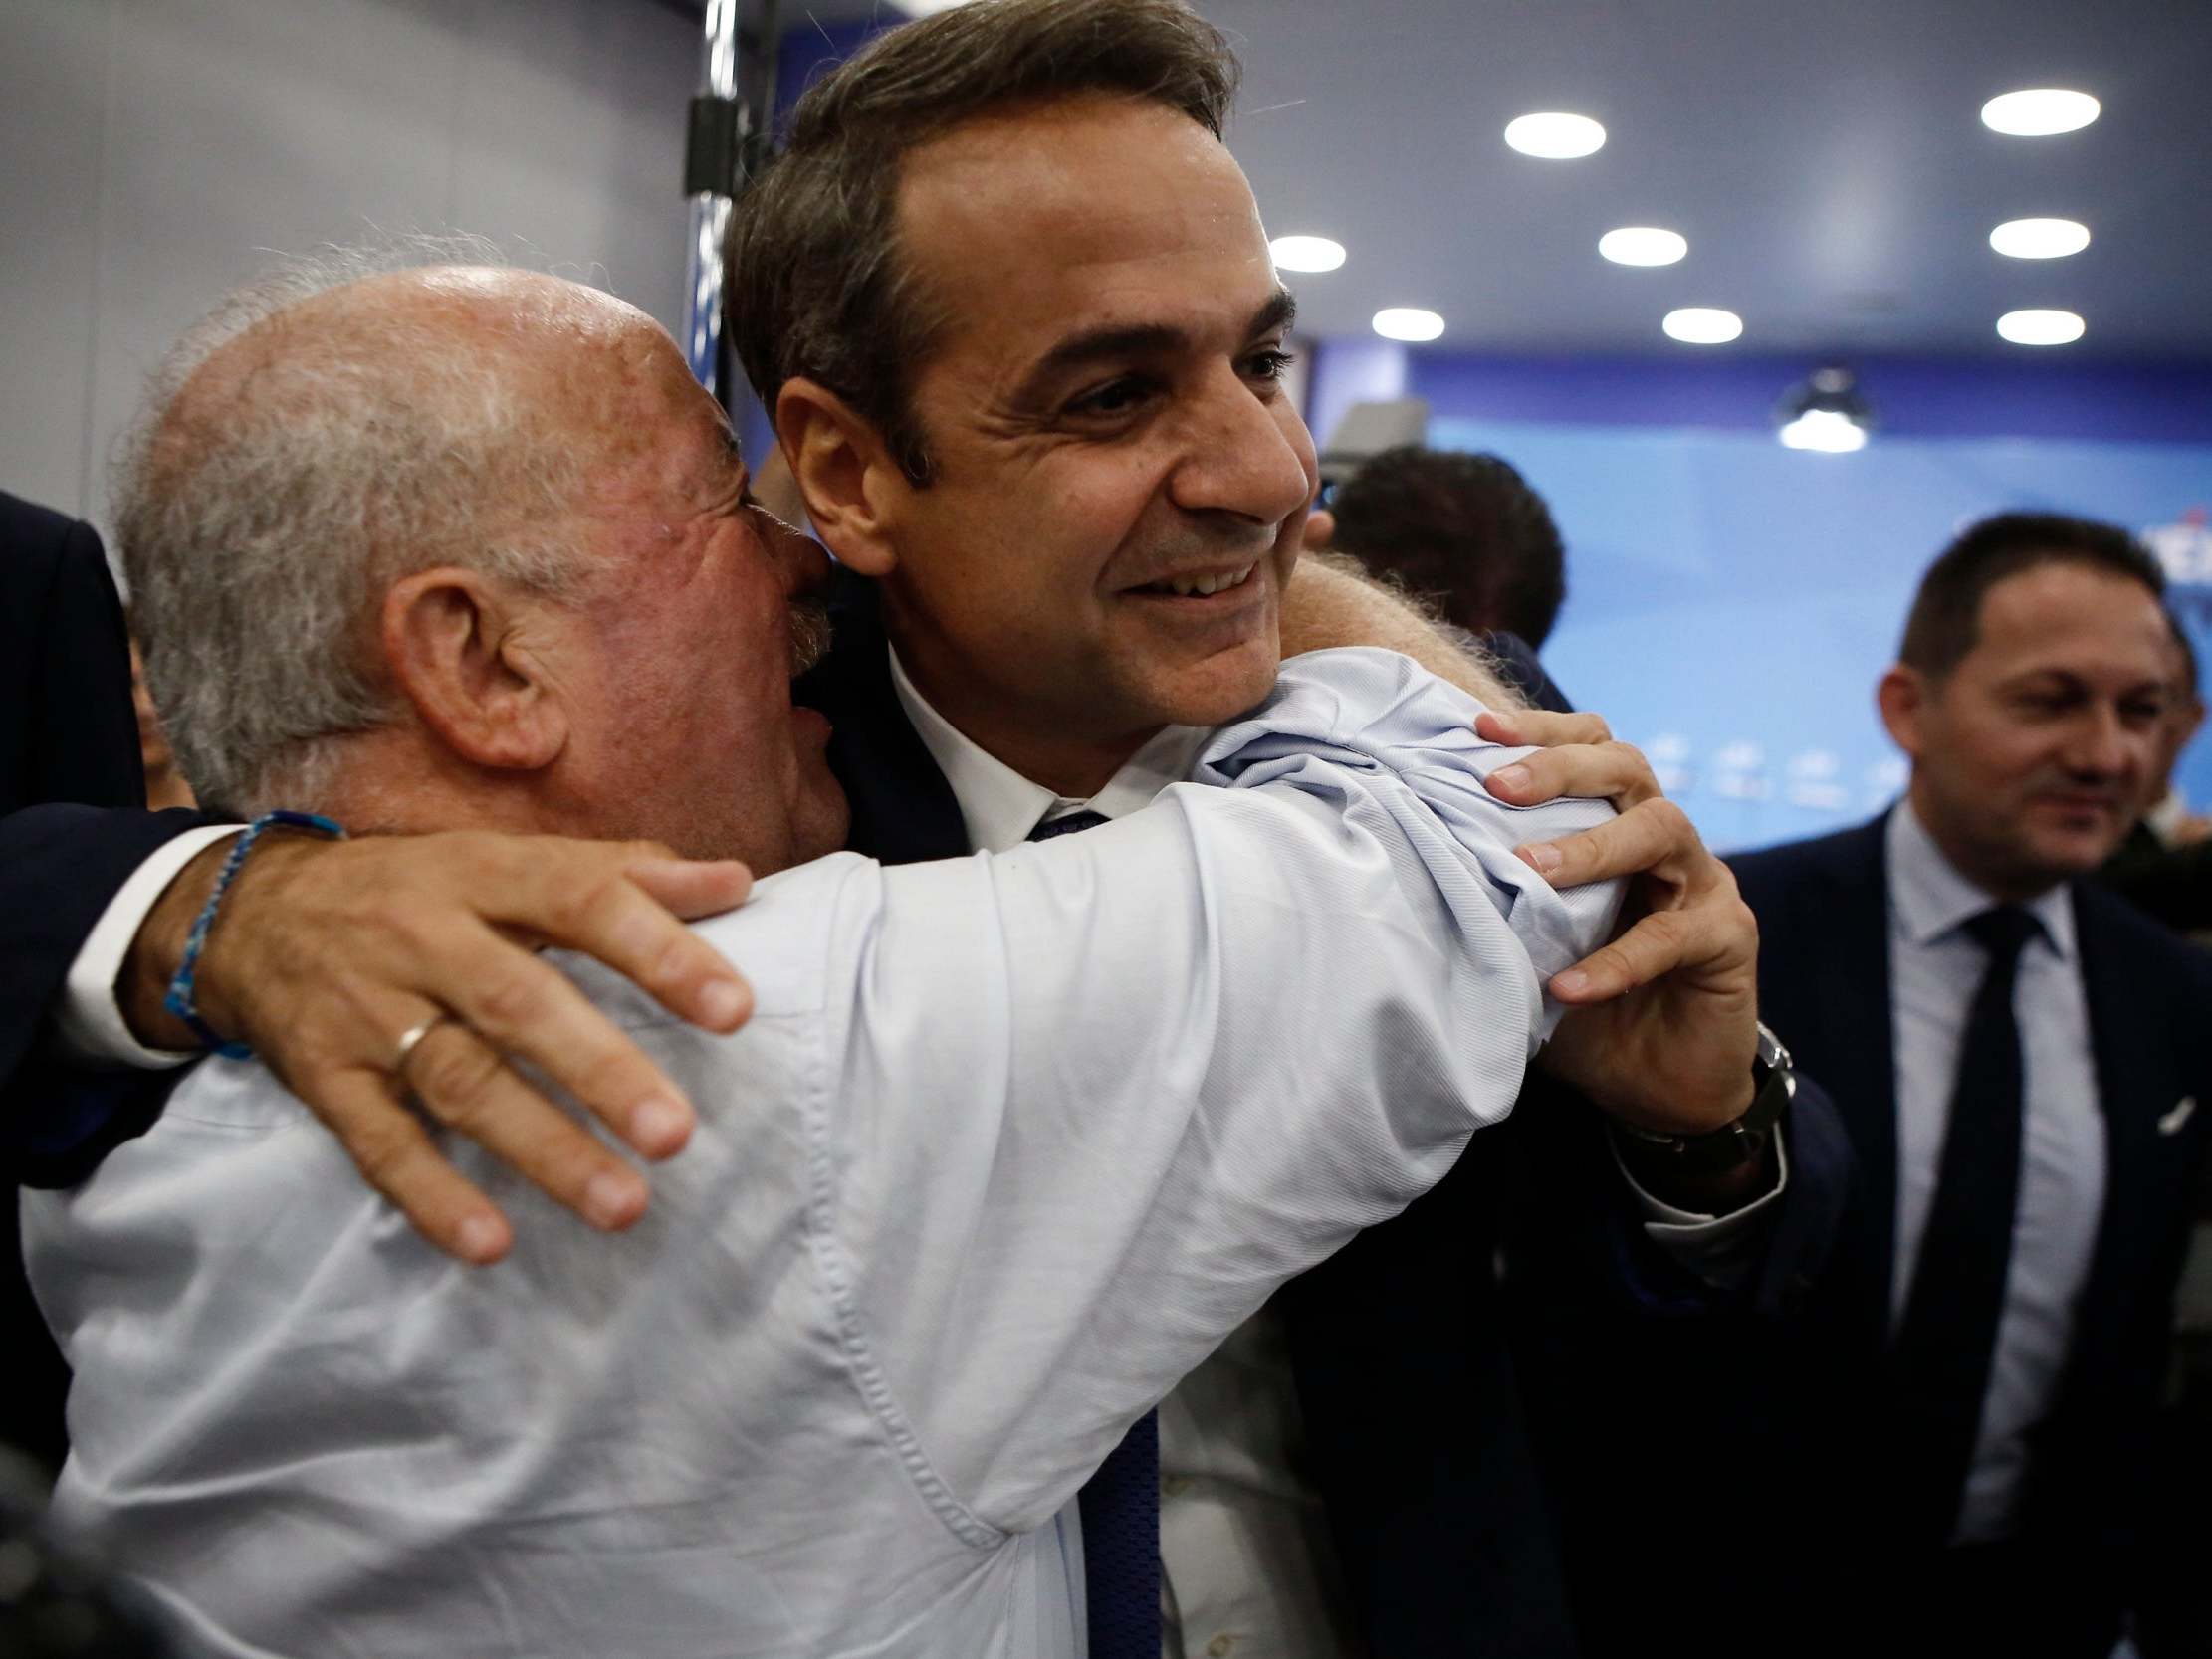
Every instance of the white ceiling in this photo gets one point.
(1826, 161)
(1825, 158)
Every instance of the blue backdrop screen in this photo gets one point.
(1732, 603)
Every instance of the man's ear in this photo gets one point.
(845, 472)
(454, 645)
(2186, 721)
(1903, 697)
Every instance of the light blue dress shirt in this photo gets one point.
(1934, 971)
(1009, 1143)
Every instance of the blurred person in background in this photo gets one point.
(1959, 1455)
(2165, 864)
(1463, 531)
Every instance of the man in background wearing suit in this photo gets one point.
(70, 736)
(2019, 1058)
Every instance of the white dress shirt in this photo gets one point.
(1249, 1566)
(1935, 967)
(1009, 1143)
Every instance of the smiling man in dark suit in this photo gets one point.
(1025, 356)
(2019, 1058)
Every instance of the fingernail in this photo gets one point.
(723, 1003)
(1571, 983)
(658, 1124)
(1513, 778)
(612, 1200)
(482, 1237)
(1543, 856)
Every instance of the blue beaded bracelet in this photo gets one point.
(180, 1000)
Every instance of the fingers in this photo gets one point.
(464, 1083)
(1654, 837)
(1541, 727)
(585, 895)
(1656, 945)
(329, 957)
(689, 888)
(523, 1006)
(396, 1157)
(1601, 771)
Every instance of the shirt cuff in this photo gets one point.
(1718, 1248)
(88, 1023)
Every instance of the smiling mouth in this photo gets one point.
(1201, 586)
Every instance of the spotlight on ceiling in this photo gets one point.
(1306, 252)
(2039, 112)
(1643, 244)
(2040, 327)
(1701, 325)
(2038, 238)
(1825, 412)
(1408, 322)
(1554, 135)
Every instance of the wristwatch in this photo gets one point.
(1732, 1145)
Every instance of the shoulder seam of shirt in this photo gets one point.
(836, 1274)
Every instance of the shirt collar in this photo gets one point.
(1930, 897)
(1000, 807)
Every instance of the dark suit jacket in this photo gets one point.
(70, 736)
(1823, 909)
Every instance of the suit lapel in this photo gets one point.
(2124, 1040)
(1859, 1064)
(903, 810)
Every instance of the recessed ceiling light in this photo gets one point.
(1703, 326)
(1824, 432)
(1408, 322)
(1643, 244)
(2039, 112)
(1555, 135)
(1306, 252)
(2034, 328)
(1825, 413)
(2038, 238)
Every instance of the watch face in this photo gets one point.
(1771, 1053)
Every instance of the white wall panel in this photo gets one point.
(53, 81)
(159, 149)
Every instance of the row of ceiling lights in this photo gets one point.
(2033, 112)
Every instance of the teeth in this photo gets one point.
(1202, 586)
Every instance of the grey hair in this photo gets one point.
(259, 522)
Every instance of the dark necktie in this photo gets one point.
(1941, 1358)
(1120, 1503)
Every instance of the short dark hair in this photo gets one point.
(1466, 529)
(818, 287)
(1945, 621)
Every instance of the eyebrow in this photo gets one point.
(1141, 339)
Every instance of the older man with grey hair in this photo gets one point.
(1003, 1151)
